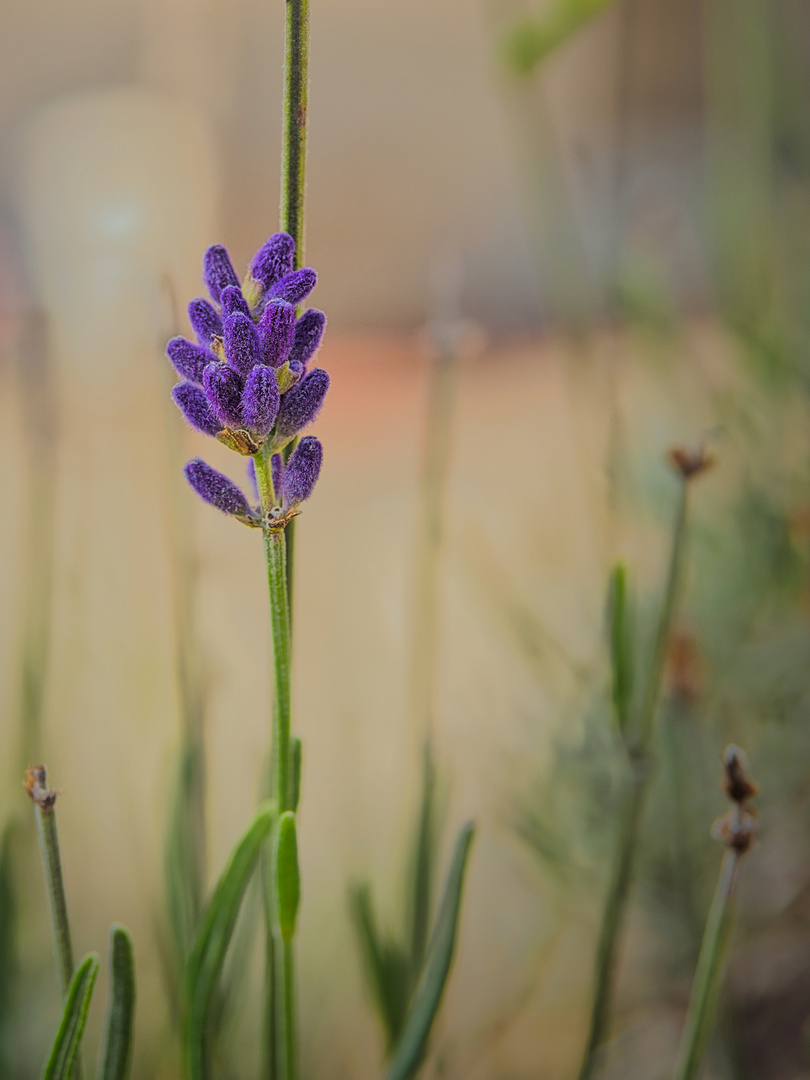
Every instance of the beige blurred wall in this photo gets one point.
(415, 146)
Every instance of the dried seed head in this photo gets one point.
(737, 829)
(736, 783)
(35, 783)
(690, 461)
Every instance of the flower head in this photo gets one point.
(245, 378)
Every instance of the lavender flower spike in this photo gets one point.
(294, 287)
(275, 330)
(223, 388)
(215, 488)
(260, 400)
(307, 337)
(273, 260)
(194, 405)
(300, 406)
(188, 359)
(301, 473)
(218, 271)
(232, 301)
(241, 343)
(205, 320)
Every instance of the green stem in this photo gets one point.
(706, 984)
(294, 124)
(287, 1050)
(632, 812)
(55, 887)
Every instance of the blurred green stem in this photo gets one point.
(55, 887)
(706, 984)
(637, 746)
(279, 973)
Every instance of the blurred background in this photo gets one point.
(572, 236)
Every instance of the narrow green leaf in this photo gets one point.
(386, 965)
(424, 866)
(288, 880)
(296, 751)
(115, 1058)
(216, 927)
(71, 1028)
(410, 1049)
(534, 37)
(184, 852)
(620, 621)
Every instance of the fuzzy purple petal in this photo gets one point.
(277, 472)
(260, 400)
(218, 271)
(205, 320)
(307, 336)
(218, 490)
(294, 287)
(302, 404)
(233, 301)
(194, 405)
(302, 472)
(241, 343)
(223, 388)
(188, 359)
(273, 260)
(275, 329)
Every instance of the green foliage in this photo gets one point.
(71, 1027)
(207, 955)
(410, 1049)
(386, 965)
(115, 1058)
(288, 880)
(8, 933)
(296, 753)
(535, 37)
(620, 623)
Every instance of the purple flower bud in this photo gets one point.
(307, 337)
(218, 490)
(218, 271)
(205, 320)
(277, 472)
(273, 260)
(223, 388)
(193, 404)
(294, 287)
(251, 473)
(302, 472)
(189, 360)
(276, 331)
(232, 301)
(241, 343)
(301, 405)
(260, 400)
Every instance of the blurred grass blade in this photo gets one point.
(9, 907)
(385, 963)
(185, 850)
(410, 1049)
(425, 861)
(288, 878)
(296, 751)
(69, 1036)
(534, 37)
(620, 622)
(115, 1058)
(216, 927)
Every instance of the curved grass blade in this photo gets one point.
(71, 1028)
(115, 1059)
(386, 965)
(410, 1050)
(216, 927)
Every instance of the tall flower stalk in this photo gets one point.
(636, 728)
